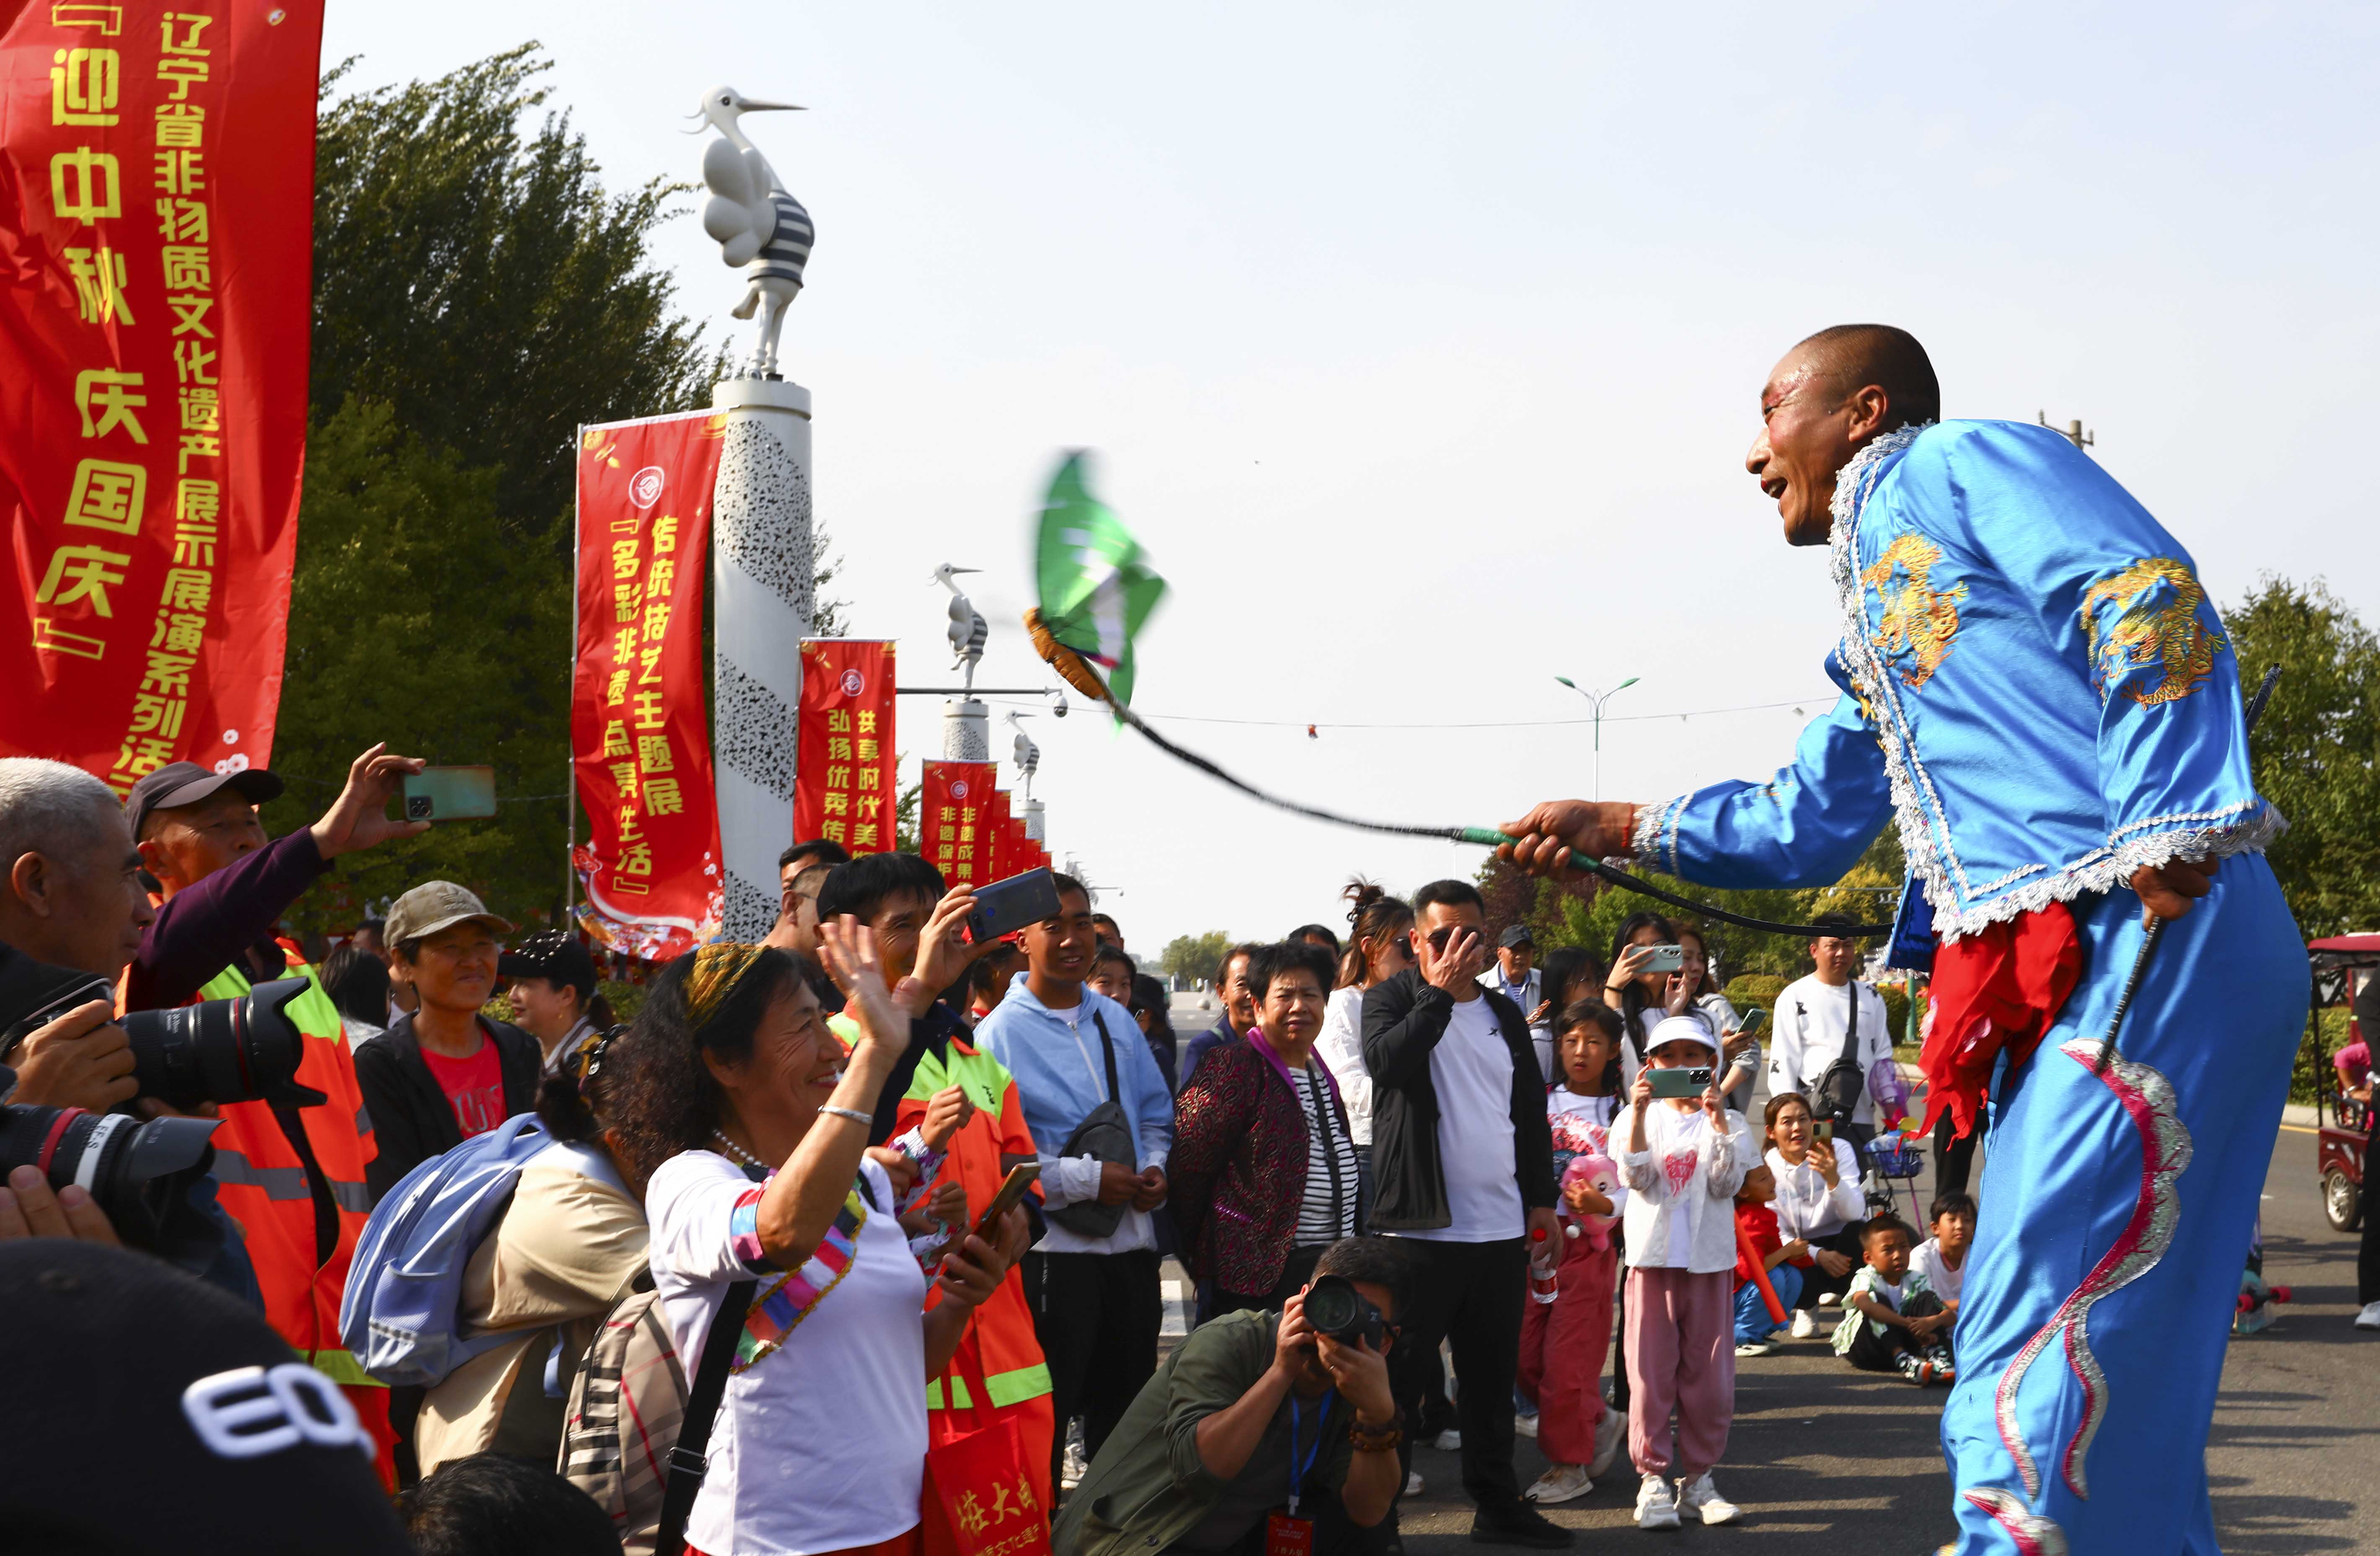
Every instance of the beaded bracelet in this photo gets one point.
(852, 1113)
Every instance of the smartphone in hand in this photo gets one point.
(1681, 1082)
(1005, 906)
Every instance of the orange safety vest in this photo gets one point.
(1002, 1327)
(261, 1179)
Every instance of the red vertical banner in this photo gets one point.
(951, 806)
(1004, 853)
(156, 234)
(843, 769)
(639, 718)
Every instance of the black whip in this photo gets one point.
(1487, 836)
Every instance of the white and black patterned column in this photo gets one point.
(764, 575)
(966, 730)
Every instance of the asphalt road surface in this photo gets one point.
(1826, 1460)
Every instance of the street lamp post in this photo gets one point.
(1596, 701)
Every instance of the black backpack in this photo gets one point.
(1105, 1134)
(1836, 1094)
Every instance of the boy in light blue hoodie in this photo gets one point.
(1092, 1280)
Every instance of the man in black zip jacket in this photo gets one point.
(1462, 1170)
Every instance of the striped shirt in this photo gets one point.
(788, 249)
(1328, 1212)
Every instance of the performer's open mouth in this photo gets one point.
(1776, 489)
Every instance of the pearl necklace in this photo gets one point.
(738, 1152)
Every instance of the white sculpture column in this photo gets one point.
(1037, 822)
(763, 580)
(966, 730)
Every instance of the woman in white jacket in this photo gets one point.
(1683, 1159)
(1818, 1203)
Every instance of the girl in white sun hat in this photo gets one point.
(1684, 1154)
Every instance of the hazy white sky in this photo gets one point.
(1420, 344)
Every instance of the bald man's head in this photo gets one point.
(1853, 356)
(1831, 395)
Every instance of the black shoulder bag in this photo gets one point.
(687, 1462)
(1106, 1134)
(1839, 1091)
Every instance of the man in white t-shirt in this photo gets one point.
(1463, 1171)
(1813, 1018)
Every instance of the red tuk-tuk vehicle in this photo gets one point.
(2342, 1128)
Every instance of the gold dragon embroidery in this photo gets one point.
(2148, 615)
(1920, 621)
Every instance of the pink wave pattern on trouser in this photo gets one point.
(2034, 1534)
(2148, 1097)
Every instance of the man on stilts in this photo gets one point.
(2037, 692)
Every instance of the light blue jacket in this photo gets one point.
(1057, 1085)
(2036, 688)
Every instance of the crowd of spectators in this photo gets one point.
(751, 1267)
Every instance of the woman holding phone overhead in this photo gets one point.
(1647, 984)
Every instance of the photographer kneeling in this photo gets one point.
(1259, 1425)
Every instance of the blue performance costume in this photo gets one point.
(2036, 690)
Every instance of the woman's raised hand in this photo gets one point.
(848, 948)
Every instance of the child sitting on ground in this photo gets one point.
(1892, 1321)
(1754, 1324)
(1563, 1343)
(1684, 1156)
(1942, 1259)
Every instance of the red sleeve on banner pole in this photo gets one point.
(844, 766)
(156, 229)
(639, 724)
(952, 808)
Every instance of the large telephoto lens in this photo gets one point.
(139, 1174)
(224, 1050)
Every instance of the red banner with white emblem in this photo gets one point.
(843, 766)
(953, 808)
(640, 715)
(156, 232)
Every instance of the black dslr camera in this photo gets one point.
(224, 1050)
(1333, 1307)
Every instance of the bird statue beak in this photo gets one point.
(751, 107)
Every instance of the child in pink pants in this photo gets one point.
(1563, 1342)
(1683, 1158)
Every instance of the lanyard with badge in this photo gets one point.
(1285, 1533)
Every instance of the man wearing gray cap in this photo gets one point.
(1515, 976)
(443, 1071)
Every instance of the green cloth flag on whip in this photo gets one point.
(1096, 587)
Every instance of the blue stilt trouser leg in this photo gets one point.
(2115, 1216)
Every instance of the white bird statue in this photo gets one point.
(758, 226)
(1026, 755)
(969, 629)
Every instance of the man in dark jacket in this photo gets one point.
(442, 938)
(1462, 1170)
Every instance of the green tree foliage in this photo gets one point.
(474, 274)
(419, 619)
(2317, 751)
(1193, 956)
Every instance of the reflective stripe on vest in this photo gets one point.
(318, 1020)
(340, 1367)
(286, 1182)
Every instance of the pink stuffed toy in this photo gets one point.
(1601, 1174)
